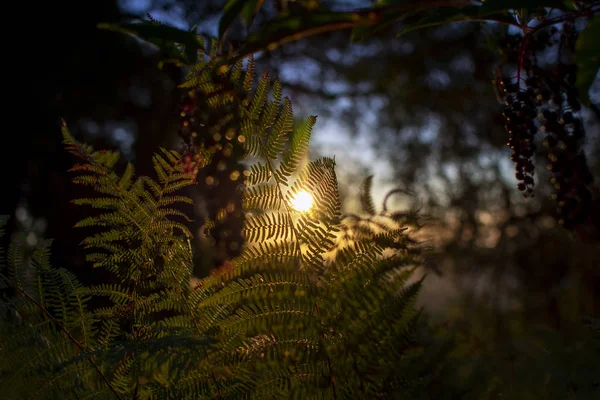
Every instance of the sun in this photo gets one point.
(302, 202)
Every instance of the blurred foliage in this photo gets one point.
(539, 363)
(312, 18)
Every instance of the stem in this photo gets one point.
(521, 57)
(66, 332)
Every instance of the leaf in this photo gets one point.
(446, 16)
(163, 36)
(492, 6)
(366, 198)
(250, 10)
(233, 8)
(490, 11)
(587, 58)
(288, 28)
(388, 18)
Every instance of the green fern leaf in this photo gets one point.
(366, 199)
(296, 151)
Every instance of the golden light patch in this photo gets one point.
(302, 202)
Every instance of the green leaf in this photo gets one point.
(387, 19)
(492, 6)
(163, 36)
(446, 16)
(288, 28)
(233, 8)
(366, 198)
(250, 10)
(587, 58)
(490, 11)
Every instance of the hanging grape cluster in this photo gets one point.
(543, 101)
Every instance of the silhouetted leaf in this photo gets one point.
(387, 19)
(493, 6)
(449, 15)
(587, 58)
(164, 36)
(366, 198)
(233, 8)
(288, 28)
(250, 10)
(490, 11)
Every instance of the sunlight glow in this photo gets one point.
(302, 202)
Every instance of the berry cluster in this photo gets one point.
(570, 174)
(519, 113)
(546, 100)
(193, 160)
(188, 123)
(213, 149)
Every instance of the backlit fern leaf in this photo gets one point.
(296, 150)
(282, 126)
(262, 197)
(366, 200)
(271, 226)
(271, 110)
(259, 173)
(260, 96)
(250, 74)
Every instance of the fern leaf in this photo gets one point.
(366, 199)
(265, 227)
(296, 151)
(271, 110)
(262, 197)
(260, 96)
(249, 75)
(259, 173)
(282, 127)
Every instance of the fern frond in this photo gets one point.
(366, 199)
(281, 128)
(272, 226)
(259, 173)
(262, 197)
(271, 110)
(250, 74)
(260, 96)
(296, 151)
